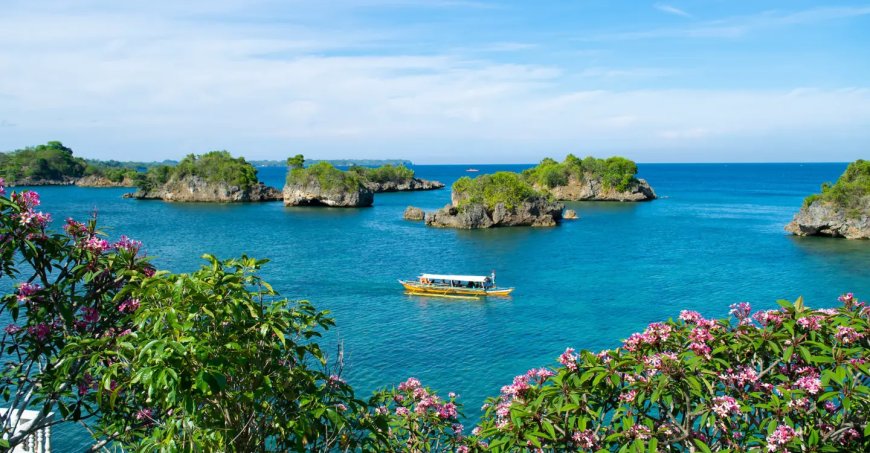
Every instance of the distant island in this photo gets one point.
(501, 199)
(590, 179)
(212, 177)
(322, 184)
(337, 162)
(841, 210)
(53, 164)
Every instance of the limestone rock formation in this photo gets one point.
(102, 181)
(593, 189)
(311, 193)
(412, 213)
(569, 214)
(537, 212)
(824, 218)
(403, 186)
(196, 189)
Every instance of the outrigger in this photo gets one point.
(455, 286)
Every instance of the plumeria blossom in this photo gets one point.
(741, 311)
(126, 244)
(96, 245)
(26, 290)
(569, 359)
(780, 438)
(847, 335)
(128, 306)
(724, 406)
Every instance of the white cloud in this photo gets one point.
(160, 85)
(670, 9)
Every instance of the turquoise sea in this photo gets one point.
(714, 238)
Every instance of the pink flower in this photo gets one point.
(475, 431)
(569, 359)
(830, 407)
(27, 200)
(129, 306)
(779, 438)
(639, 432)
(40, 331)
(690, 317)
(741, 311)
(74, 229)
(846, 298)
(410, 384)
(128, 245)
(810, 322)
(628, 396)
(724, 406)
(812, 384)
(447, 411)
(2, 187)
(462, 449)
(26, 289)
(382, 410)
(457, 428)
(402, 411)
(96, 245)
(90, 314)
(335, 379)
(768, 317)
(700, 349)
(585, 439)
(144, 414)
(12, 329)
(654, 334)
(341, 407)
(847, 335)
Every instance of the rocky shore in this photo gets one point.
(197, 189)
(593, 189)
(311, 193)
(821, 218)
(84, 181)
(403, 186)
(537, 212)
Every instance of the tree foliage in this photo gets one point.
(851, 190)
(51, 161)
(490, 190)
(326, 176)
(215, 167)
(616, 172)
(384, 173)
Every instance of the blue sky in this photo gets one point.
(439, 81)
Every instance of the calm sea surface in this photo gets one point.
(714, 238)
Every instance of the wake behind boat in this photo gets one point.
(455, 285)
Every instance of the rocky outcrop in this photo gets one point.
(824, 218)
(412, 213)
(593, 189)
(537, 212)
(102, 181)
(312, 193)
(403, 186)
(197, 189)
(569, 214)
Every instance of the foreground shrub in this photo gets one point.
(792, 379)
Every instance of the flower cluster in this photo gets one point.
(780, 437)
(656, 333)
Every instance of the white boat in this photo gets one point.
(455, 285)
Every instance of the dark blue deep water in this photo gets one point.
(714, 238)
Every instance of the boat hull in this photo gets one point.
(421, 289)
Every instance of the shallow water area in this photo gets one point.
(714, 238)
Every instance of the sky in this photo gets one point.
(439, 81)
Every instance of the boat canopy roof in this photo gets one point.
(464, 278)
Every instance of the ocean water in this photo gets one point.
(715, 237)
